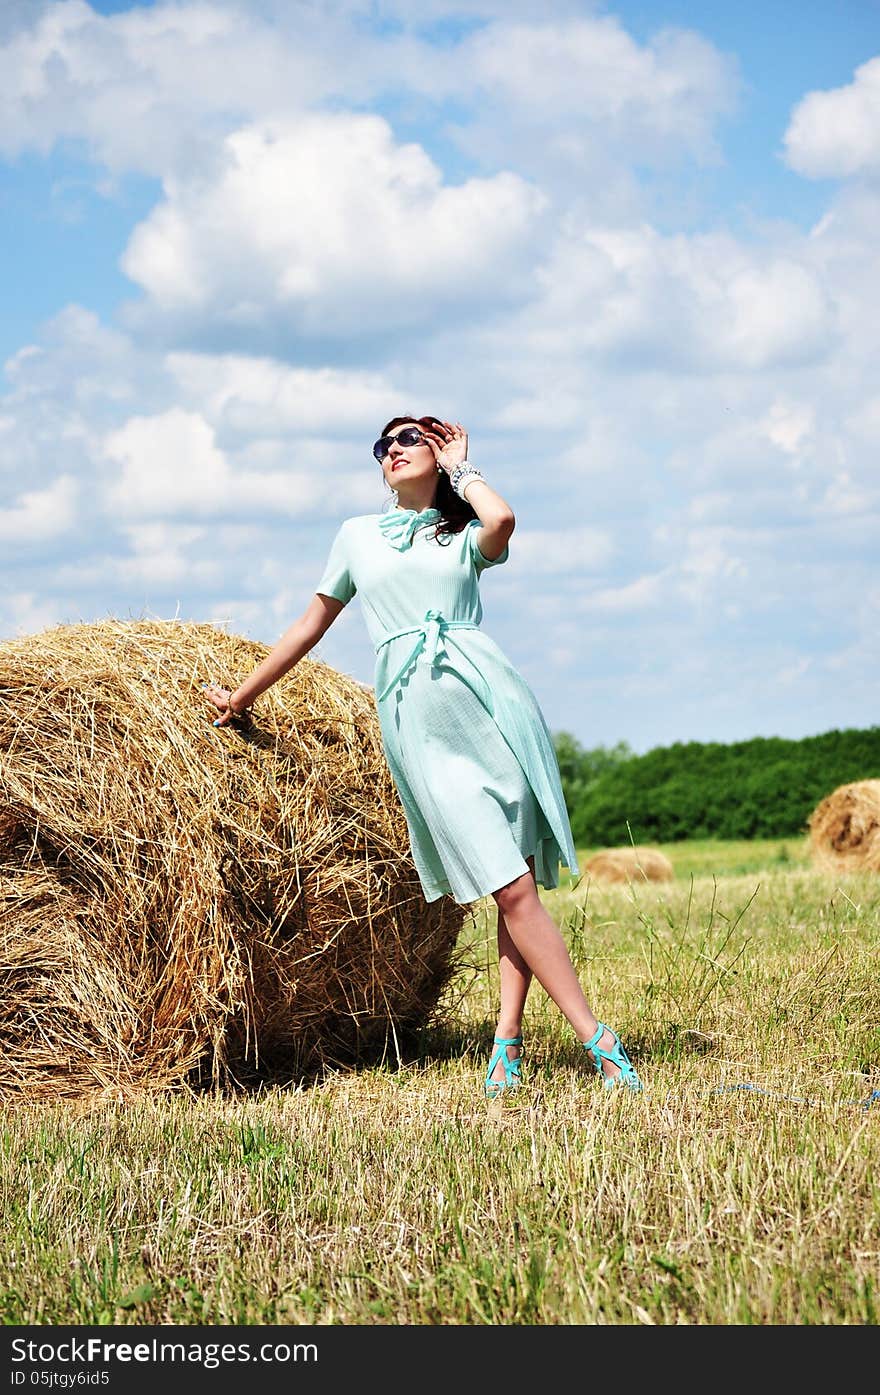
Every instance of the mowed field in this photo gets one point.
(742, 1186)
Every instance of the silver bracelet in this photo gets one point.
(242, 715)
(463, 475)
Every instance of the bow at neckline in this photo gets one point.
(399, 525)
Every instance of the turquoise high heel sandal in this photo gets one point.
(628, 1077)
(511, 1081)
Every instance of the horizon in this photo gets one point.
(740, 741)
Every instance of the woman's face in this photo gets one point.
(406, 464)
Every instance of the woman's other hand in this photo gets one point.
(449, 443)
(219, 698)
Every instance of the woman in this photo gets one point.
(467, 745)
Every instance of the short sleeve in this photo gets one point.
(481, 562)
(337, 580)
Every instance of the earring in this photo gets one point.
(439, 469)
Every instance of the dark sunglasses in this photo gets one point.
(409, 436)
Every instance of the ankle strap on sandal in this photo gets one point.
(595, 1039)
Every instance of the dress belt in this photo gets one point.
(429, 643)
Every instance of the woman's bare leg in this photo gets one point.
(541, 949)
(516, 977)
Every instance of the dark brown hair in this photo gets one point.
(455, 512)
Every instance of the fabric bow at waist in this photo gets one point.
(429, 644)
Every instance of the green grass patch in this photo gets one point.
(699, 857)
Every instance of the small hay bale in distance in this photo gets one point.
(630, 865)
(844, 829)
(180, 902)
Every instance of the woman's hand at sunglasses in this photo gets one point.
(449, 443)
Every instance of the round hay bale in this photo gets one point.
(845, 829)
(180, 902)
(629, 865)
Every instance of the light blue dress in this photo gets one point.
(468, 748)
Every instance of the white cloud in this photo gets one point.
(865, 421)
(635, 297)
(29, 612)
(264, 396)
(848, 496)
(380, 246)
(162, 553)
(577, 104)
(77, 356)
(40, 515)
(16, 15)
(212, 558)
(148, 89)
(836, 133)
(587, 78)
(562, 551)
(171, 464)
(789, 424)
(845, 250)
(710, 575)
(645, 593)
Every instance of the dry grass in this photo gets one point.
(180, 901)
(740, 1188)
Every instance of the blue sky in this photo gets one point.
(632, 247)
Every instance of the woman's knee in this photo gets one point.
(516, 895)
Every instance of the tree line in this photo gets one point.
(763, 788)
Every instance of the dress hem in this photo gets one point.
(548, 885)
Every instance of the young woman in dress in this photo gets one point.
(468, 748)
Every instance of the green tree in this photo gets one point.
(765, 787)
